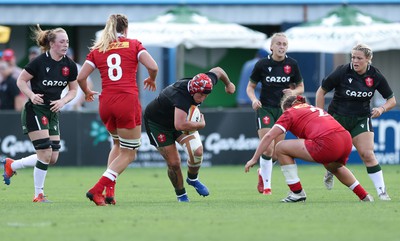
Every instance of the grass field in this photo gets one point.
(147, 208)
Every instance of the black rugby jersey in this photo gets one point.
(353, 92)
(275, 77)
(162, 109)
(50, 77)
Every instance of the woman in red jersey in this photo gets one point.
(321, 139)
(117, 58)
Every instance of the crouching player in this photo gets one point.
(321, 139)
(166, 121)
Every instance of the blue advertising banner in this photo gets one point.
(229, 139)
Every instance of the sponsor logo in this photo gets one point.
(55, 83)
(277, 79)
(11, 146)
(98, 132)
(359, 94)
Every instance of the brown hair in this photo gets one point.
(43, 38)
(291, 100)
(116, 24)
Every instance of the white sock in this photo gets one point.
(39, 176)
(29, 161)
(290, 173)
(379, 183)
(110, 174)
(266, 171)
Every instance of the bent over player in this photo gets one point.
(165, 120)
(321, 139)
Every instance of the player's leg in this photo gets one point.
(365, 146)
(286, 151)
(42, 144)
(193, 147)
(171, 156)
(265, 171)
(345, 176)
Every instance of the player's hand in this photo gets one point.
(376, 112)
(230, 88)
(90, 95)
(150, 84)
(249, 165)
(256, 104)
(56, 105)
(37, 99)
(288, 92)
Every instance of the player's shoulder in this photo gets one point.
(290, 60)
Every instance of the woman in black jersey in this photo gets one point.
(166, 123)
(48, 74)
(354, 85)
(279, 75)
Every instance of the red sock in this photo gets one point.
(295, 187)
(110, 189)
(360, 192)
(99, 187)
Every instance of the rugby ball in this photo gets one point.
(193, 115)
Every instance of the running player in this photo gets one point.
(354, 86)
(279, 75)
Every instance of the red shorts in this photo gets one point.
(334, 147)
(120, 111)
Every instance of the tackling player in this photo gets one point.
(321, 139)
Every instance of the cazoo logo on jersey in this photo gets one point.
(54, 83)
(10, 146)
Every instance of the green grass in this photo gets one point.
(147, 208)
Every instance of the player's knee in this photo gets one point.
(175, 165)
(129, 143)
(55, 145)
(198, 151)
(42, 144)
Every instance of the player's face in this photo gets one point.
(199, 97)
(60, 44)
(279, 46)
(359, 61)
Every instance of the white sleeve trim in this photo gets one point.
(91, 63)
(281, 127)
(138, 55)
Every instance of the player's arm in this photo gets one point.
(83, 74)
(223, 76)
(22, 83)
(389, 104)
(182, 124)
(250, 90)
(320, 98)
(152, 68)
(264, 144)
